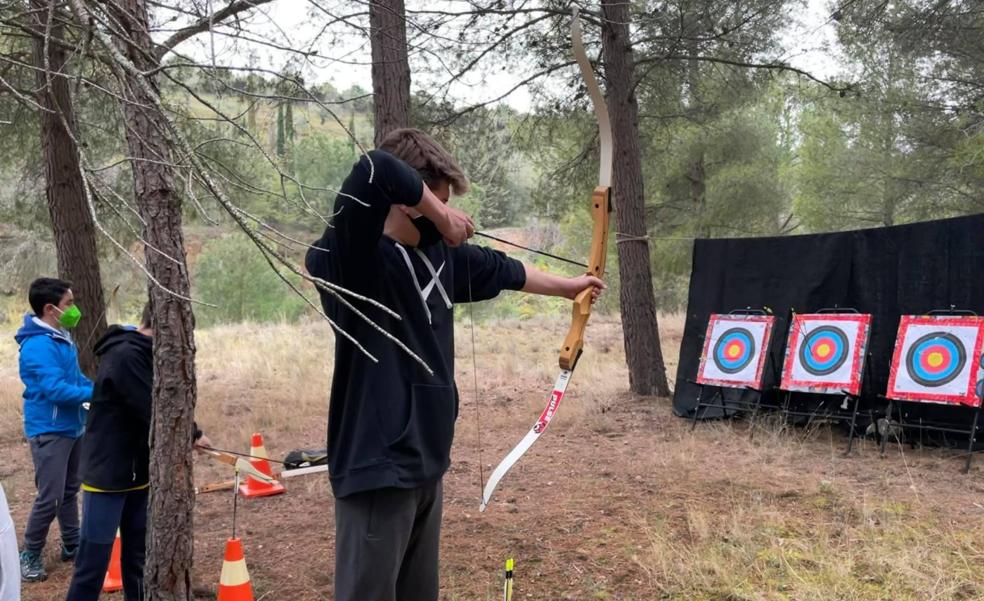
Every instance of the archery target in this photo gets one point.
(824, 350)
(735, 349)
(938, 359)
(825, 353)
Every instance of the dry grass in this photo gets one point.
(620, 500)
(272, 379)
(11, 413)
(787, 519)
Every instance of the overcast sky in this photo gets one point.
(809, 42)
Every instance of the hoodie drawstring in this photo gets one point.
(434, 283)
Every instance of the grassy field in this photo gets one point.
(618, 500)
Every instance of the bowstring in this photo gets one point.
(478, 411)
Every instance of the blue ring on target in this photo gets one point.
(954, 357)
(821, 365)
(734, 350)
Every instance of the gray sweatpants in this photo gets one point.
(386, 544)
(57, 477)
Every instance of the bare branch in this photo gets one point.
(204, 24)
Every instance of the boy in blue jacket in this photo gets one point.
(54, 391)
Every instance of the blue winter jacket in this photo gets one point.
(54, 386)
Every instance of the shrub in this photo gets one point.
(232, 273)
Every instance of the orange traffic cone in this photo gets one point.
(258, 488)
(234, 582)
(114, 575)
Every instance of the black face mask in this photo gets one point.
(429, 234)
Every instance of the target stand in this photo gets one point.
(938, 359)
(736, 350)
(826, 354)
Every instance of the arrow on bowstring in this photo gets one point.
(532, 250)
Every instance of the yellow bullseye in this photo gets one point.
(823, 350)
(935, 359)
(733, 351)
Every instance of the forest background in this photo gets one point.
(734, 141)
(196, 146)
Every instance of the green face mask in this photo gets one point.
(70, 317)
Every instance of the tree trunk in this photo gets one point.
(696, 176)
(647, 373)
(353, 149)
(251, 117)
(289, 137)
(887, 158)
(281, 140)
(390, 66)
(72, 225)
(169, 536)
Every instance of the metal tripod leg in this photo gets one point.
(854, 420)
(755, 411)
(700, 392)
(973, 437)
(888, 421)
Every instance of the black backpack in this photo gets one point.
(305, 458)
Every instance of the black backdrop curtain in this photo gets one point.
(888, 272)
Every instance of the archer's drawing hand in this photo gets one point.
(457, 226)
(577, 284)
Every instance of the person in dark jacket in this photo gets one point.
(116, 462)
(395, 239)
(54, 393)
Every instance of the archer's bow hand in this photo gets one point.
(576, 285)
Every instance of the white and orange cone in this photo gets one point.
(234, 583)
(253, 486)
(114, 575)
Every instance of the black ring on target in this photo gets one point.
(734, 350)
(820, 361)
(919, 361)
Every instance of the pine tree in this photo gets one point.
(281, 145)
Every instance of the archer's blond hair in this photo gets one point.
(424, 154)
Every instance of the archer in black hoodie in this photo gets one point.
(116, 461)
(394, 239)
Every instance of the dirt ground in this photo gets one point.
(617, 500)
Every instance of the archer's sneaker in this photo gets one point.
(68, 552)
(32, 568)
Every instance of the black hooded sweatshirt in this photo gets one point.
(115, 448)
(116, 445)
(390, 423)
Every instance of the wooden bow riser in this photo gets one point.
(601, 204)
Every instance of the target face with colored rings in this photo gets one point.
(824, 350)
(936, 359)
(734, 351)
